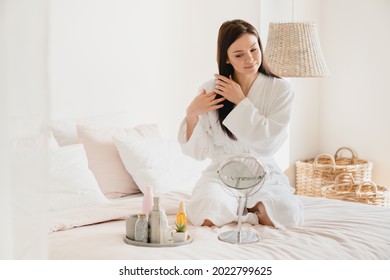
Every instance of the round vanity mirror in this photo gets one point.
(243, 172)
(241, 176)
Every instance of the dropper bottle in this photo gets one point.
(181, 217)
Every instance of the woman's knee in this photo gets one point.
(262, 216)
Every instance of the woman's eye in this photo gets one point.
(253, 50)
(239, 55)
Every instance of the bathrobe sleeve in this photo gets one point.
(200, 145)
(263, 126)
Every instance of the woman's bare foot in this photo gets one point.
(261, 213)
(258, 209)
(207, 223)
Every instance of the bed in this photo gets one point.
(332, 230)
(89, 205)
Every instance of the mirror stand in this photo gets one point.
(241, 177)
(238, 236)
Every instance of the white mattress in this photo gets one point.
(332, 230)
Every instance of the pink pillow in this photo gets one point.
(105, 162)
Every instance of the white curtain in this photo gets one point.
(23, 114)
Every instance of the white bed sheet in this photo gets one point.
(332, 230)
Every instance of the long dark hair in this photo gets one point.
(229, 32)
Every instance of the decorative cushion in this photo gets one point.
(105, 162)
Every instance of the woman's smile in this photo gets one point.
(251, 66)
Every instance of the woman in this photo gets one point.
(244, 110)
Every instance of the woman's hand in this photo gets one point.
(204, 103)
(229, 89)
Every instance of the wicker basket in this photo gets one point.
(345, 188)
(313, 174)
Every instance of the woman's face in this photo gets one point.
(244, 55)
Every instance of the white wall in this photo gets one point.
(355, 101)
(24, 108)
(6, 242)
(146, 57)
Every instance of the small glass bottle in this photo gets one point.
(181, 217)
(141, 228)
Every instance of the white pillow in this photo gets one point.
(71, 183)
(157, 162)
(65, 130)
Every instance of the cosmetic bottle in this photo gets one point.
(130, 226)
(141, 228)
(155, 217)
(164, 230)
(147, 201)
(181, 217)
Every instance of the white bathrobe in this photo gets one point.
(260, 124)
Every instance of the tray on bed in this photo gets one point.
(170, 244)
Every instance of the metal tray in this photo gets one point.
(170, 244)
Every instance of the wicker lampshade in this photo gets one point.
(293, 50)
